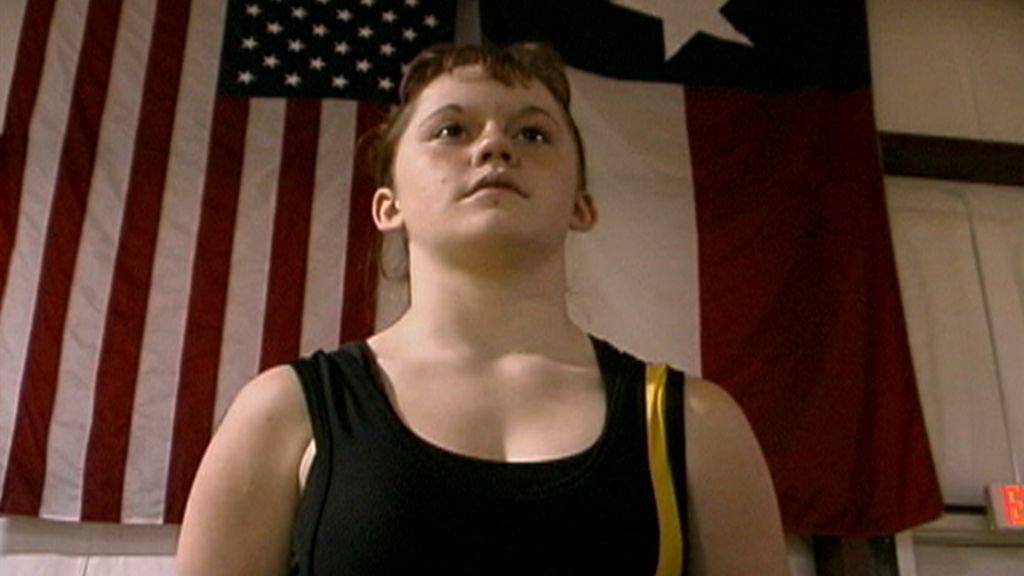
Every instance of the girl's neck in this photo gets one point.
(490, 312)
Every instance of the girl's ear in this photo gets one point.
(584, 212)
(387, 213)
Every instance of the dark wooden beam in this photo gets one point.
(952, 158)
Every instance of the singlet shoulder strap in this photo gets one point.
(314, 375)
(666, 452)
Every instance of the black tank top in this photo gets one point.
(381, 500)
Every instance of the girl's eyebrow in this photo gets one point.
(528, 110)
(534, 109)
(440, 111)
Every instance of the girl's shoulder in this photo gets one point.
(245, 494)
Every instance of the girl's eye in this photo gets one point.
(449, 131)
(533, 134)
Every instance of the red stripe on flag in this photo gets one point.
(800, 308)
(28, 73)
(282, 321)
(27, 466)
(359, 312)
(126, 315)
(204, 328)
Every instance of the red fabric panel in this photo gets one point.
(800, 306)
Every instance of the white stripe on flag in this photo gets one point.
(620, 283)
(10, 34)
(149, 447)
(46, 136)
(325, 273)
(250, 256)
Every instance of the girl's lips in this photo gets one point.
(495, 181)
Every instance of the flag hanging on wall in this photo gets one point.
(766, 105)
(162, 242)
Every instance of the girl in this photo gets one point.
(483, 432)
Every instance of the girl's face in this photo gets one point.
(479, 161)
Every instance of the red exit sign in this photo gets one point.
(1006, 502)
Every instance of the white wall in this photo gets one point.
(31, 547)
(956, 68)
(949, 67)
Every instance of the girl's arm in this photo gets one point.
(734, 523)
(241, 509)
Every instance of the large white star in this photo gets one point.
(681, 20)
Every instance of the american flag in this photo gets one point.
(326, 48)
(161, 243)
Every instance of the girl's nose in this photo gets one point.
(494, 146)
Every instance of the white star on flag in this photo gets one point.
(682, 20)
(315, 41)
(246, 77)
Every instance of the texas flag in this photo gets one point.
(743, 232)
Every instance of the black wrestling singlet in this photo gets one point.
(380, 500)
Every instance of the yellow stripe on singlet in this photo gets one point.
(670, 548)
